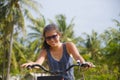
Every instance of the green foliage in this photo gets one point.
(103, 50)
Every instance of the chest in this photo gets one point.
(57, 55)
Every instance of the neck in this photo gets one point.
(56, 47)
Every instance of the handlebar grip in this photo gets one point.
(84, 65)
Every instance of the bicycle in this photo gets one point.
(54, 75)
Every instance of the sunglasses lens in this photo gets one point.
(54, 36)
(51, 37)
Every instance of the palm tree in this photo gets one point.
(12, 16)
(66, 29)
(7, 25)
(111, 39)
(92, 45)
(90, 48)
(35, 36)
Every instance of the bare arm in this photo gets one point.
(40, 59)
(72, 49)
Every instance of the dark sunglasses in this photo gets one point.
(51, 37)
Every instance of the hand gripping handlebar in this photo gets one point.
(58, 72)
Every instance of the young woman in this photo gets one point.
(59, 55)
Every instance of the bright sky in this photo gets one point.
(89, 14)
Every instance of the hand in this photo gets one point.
(90, 65)
(26, 64)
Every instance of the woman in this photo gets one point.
(58, 54)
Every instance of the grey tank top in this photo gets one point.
(61, 65)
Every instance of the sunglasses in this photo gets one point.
(51, 37)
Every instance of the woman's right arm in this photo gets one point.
(40, 60)
(41, 57)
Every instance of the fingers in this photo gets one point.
(90, 65)
(26, 64)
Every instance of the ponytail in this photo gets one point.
(45, 45)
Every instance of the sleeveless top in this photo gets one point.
(62, 64)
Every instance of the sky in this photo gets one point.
(88, 15)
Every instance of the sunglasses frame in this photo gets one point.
(51, 37)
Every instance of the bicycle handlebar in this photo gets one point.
(57, 72)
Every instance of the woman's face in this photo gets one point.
(52, 38)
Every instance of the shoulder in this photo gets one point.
(70, 46)
(43, 52)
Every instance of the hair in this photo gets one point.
(47, 28)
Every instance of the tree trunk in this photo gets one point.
(4, 60)
(9, 54)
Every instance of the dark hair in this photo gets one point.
(46, 29)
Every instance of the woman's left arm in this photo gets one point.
(72, 50)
